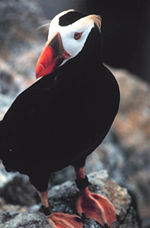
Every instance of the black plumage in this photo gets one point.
(61, 118)
(70, 18)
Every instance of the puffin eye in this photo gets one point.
(77, 35)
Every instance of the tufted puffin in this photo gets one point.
(61, 118)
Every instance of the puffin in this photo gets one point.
(64, 116)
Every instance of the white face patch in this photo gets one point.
(71, 45)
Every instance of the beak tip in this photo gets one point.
(37, 74)
(39, 70)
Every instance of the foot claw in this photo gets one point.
(83, 216)
(78, 219)
(62, 220)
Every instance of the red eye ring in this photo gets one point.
(77, 35)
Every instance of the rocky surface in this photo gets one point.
(21, 44)
(133, 121)
(132, 127)
(5, 102)
(62, 199)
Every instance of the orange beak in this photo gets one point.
(51, 57)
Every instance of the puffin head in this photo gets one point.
(68, 33)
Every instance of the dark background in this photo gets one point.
(125, 26)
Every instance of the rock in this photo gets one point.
(19, 22)
(21, 43)
(62, 199)
(19, 191)
(7, 84)
(133, 121)
(5, 102)
(24, 220)
(66, 194)
(132, 127)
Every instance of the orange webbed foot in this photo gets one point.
(62, 220)
(96, 207)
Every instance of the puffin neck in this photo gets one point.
(87, 61)
(80, 63)
(91, 54)
(78, 71)
(84, 60)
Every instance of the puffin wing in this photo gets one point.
(24, 124)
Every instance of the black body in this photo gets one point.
(61, 118)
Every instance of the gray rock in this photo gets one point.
(19, 191)
(18, 18)
(62, 199)
(67, 193)
(132, 128)
(21, 43)
(25, 220)
(5, 102)
(7, 84)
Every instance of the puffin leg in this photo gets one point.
(93, 205)
(59, 220)
(45, 203)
